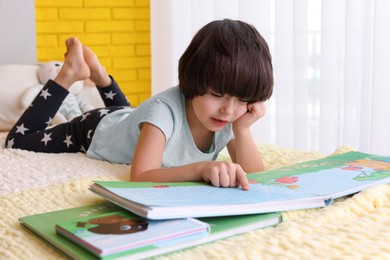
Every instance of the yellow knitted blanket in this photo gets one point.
(355, 227)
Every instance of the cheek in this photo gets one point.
(206, 104)
(241, 110)
(200, 107)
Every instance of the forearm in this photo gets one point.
(246, 152)
(189, 172)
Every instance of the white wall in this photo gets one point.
(331, 64)
(174, 23)
(17, 32)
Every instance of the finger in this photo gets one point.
(214, 177)
(250, 107)
(224, 179)
(262, 109)
(215, 182)
(232, 175)
(259, 107)
(242, 179)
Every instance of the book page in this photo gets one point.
(335, 178)
(203, 195)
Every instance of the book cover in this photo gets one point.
(119, 231)
(44, 224)
(305, 185)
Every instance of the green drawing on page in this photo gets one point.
(369, 169)
(326, 179)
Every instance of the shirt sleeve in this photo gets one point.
(159, 113)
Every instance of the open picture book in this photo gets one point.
(305, 185)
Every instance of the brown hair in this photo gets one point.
(229, 57)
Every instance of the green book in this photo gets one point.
(305, 185)
(44, 225)
(122, 231)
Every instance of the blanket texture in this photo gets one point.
(355, 227)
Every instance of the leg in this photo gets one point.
(109, 90)
(112, 95)
(36, 118)
(29, 132)
(70, 137)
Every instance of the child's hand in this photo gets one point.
(224, 174)
(255, 112)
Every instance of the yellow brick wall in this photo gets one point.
(116, 30)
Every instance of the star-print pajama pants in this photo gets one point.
(31, 133)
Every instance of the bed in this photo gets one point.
(355, 227)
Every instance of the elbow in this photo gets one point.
(257, 169)
(261, 168)
(134, 178)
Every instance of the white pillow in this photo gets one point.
(14, 80)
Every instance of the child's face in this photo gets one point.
(215, 111)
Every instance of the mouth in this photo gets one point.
(218, 122)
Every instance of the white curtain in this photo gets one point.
(331, 64)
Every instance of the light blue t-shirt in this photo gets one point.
(117, 134)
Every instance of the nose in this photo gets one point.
(227, 106)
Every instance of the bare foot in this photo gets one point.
(75, 68)
(99, 74)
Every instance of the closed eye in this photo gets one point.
(244, 100)
(216, 94)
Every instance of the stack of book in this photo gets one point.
(107, 231)
(147, 219)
